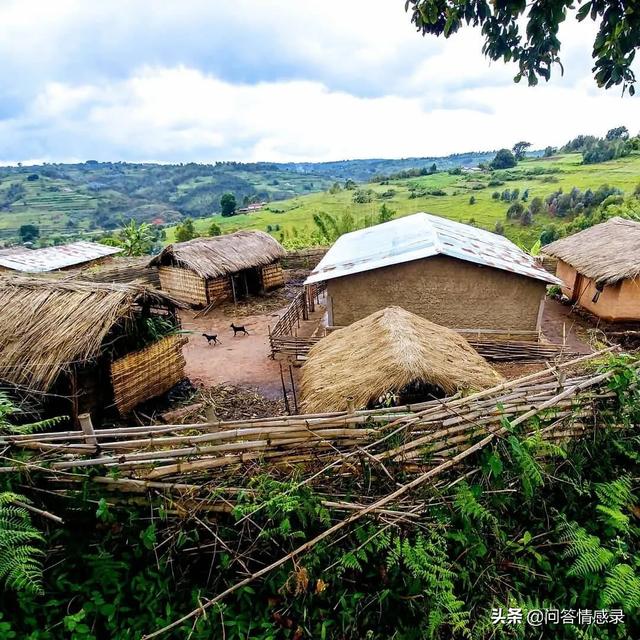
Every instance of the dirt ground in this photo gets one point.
(243, 360)
(558, 323)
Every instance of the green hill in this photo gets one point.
(445, 194)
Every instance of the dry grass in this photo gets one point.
(606, 253)
(47, 325)
(221, 255)
(386, 352)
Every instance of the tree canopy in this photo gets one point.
(520, 149)
(527, 33)
(504, 160)
(228, 204)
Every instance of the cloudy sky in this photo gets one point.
(279, 80)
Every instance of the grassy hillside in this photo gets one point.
(540, 177)
(68, 201)
(71, 201)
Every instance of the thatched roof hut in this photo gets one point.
(390, 351)
(206, 271)
(600, 268)
(53, 330)
(607, 252)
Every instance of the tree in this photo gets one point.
(472, 200)
(504, 160)
(214, 229)
(29, 232)
(520, 149)
(350, 184)
(186, 230)
(527, 33)
(549, 151)
(136, 239)
(228, 204)
(433, 168)
(386, 214)
(618, 133)
(526, 220)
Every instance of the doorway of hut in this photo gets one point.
(415, 392)
(247, 283)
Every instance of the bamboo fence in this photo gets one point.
(425, 434)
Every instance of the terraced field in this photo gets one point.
(539, 177)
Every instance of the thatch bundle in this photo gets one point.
(389, 351)
(607, 252)
(124, 270)
(221, 255)
(46, 325)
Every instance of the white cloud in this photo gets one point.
(272, 80)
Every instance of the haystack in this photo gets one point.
(50, 327)
(389, 351)
(606, 253)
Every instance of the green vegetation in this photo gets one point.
(532, 181)
(505, 24)
(532, 525)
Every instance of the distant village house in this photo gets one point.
(62, 257)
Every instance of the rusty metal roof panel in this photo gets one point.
(53, 258)
(419, 236)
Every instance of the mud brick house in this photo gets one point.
(600, 267)
(453, 274)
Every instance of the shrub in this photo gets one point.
(499, 228)
(515, 211)
(472, 200)
(496, 195)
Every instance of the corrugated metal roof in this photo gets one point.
(52, 258)
(422, 235)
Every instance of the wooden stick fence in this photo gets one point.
(439, 426)
(283, 337)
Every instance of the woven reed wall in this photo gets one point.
(272, 276)
(304, 258)
(147, 373)
(219, 290)
(184, 285)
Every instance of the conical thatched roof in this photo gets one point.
(386, 352)
(607, 252)
(46, 324)
(220, 255)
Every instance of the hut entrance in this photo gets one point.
(246, 283)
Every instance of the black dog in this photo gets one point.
(237, 330)
(211, 339)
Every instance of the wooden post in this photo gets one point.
(87, 428)
(293, 389)
(233, 289)
(351, 407)
(284, 392)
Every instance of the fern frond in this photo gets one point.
(20, 560)
(622, 586)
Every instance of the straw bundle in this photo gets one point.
(386, 352)
(46, 325)
(606, 253)
(222, 255)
